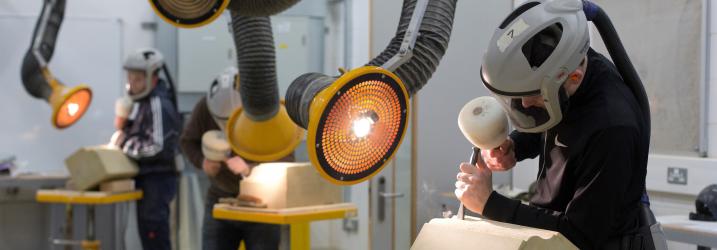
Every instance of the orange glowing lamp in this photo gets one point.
(68, 104)
(356, 124)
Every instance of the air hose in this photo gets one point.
(621, 60)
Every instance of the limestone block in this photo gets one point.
(475, 233)
(286, 185)
(90, 166)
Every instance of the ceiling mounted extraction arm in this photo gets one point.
(68, 104)
(260, 130)
(356, 121)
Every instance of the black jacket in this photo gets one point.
(152, 132)
(592, 165)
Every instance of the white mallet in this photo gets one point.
(215, 146)
(484, 123)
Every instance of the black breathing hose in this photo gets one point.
(171, 87)
(620, 58)
(31, 72)
(430, 46)
(257, 66)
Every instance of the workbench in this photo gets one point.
(681, 228)
(89, 199)
(297, 218)
(20, 212)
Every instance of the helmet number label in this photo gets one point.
(513, 31)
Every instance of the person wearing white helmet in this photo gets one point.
(569, 106)
(150, 125)
(210, 114)
(143, 72)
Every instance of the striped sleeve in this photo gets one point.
(138, 147)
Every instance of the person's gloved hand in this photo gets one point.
(238, 166)
(211, 168)
(474, 185)
(501, 158)
(116, 139)
(123, 106)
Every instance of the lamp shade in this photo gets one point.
(356, 124)
(68, 104)
(189, 13)
(266, 140)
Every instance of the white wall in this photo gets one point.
(131, 13)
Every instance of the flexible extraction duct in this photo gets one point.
(68, 104)
(357, 120)
(297, 103)
(260, 7)
(257, 65)
(261, 130)
(435, 32)
(431, 45)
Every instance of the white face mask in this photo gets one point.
(223, 98)
(524, 112)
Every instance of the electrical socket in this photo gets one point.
(677, 175)
(350, 225)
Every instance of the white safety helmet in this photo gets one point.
(223, 96)
(532, 53)
(148, 60)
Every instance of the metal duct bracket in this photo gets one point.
(409, 39)
(41, 31)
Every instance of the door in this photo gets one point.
(391, 200)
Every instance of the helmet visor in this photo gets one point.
(529, 113)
